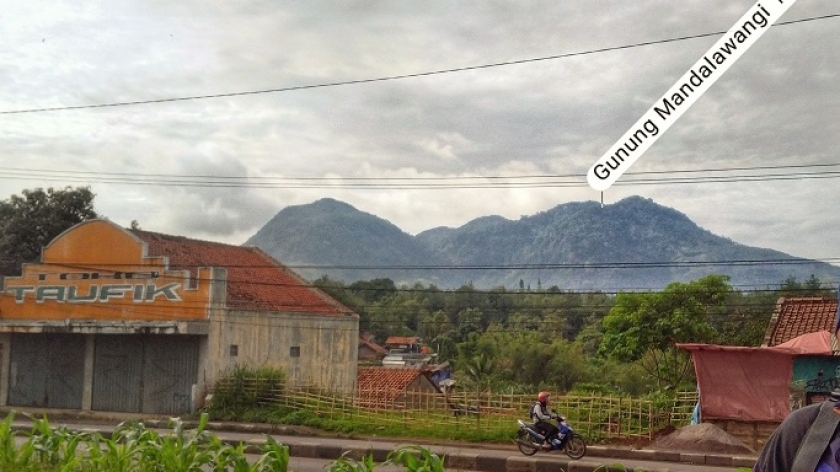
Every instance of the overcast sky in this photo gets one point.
(161, 163)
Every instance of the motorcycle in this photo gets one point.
(530, 440)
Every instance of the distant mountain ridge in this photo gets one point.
(350, 244)
(632, 244)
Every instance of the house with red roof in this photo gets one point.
(795, 316)
(748, 391)
(400, 344)
(118, 319)
(810, 322)
(397, 387)
(369, 351)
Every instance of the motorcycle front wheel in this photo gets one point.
(576, 447)
(526, 444)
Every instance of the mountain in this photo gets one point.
(632, 244)
(350, 244)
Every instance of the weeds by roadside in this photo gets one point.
(131, 448)
(134, 448)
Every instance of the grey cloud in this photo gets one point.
(775, 106)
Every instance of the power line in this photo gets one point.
(510, 266)
(89, 174)
(164, 312)
(737, 174)
(465, 290)
(395, 77)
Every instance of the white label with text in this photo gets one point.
(685, 92)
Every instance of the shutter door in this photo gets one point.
(169, 372)
(47, 370)
(145, 374)
(117, 364)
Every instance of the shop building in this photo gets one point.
(116, 319)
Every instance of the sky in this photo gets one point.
(424, 113)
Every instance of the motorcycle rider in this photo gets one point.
(541, 413)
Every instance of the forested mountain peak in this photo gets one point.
(631, 244)
(350, 244)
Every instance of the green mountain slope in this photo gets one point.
(343, 242)
(632, 244)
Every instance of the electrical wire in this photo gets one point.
(393, 313)
(467, 290)
(103, 267)
(738, 174)
(395, 77)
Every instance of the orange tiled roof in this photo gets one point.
(794, 317)
(375, 347)
(392, 340)
(255, 280)
(384, 384)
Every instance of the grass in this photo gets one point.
(433, 426)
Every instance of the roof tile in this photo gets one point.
(394, 340)
(384, 384)
(372, 345)
(796, 316)
(255, 280)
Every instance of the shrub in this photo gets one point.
(245, 389)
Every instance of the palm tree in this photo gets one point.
(479, 371)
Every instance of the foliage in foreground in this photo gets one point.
(131, 448)
(134, 448)
(413, 458)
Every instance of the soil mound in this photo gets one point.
(701, 438)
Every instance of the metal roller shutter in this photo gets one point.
(47, 370)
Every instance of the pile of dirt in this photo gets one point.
(701, 438)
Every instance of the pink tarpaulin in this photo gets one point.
(818, 343)
(744, 384)
(750, 383)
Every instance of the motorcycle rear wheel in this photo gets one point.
(526, 444)
(576, 447)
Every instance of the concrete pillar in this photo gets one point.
(87, 389)
(5, 366)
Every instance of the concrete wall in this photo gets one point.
(313, 349)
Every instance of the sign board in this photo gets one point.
(100, 271)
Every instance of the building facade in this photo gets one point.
(114, 319)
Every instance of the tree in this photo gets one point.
(747, 317)
(30, 221)
(373, 290)
(478, 372)
(646, 326)
(812, 287)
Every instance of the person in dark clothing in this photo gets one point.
(808, 440)
(541, 415)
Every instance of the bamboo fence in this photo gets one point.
(596, 417)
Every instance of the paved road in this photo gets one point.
(475, 457)
(312, 453)
(308, 464)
